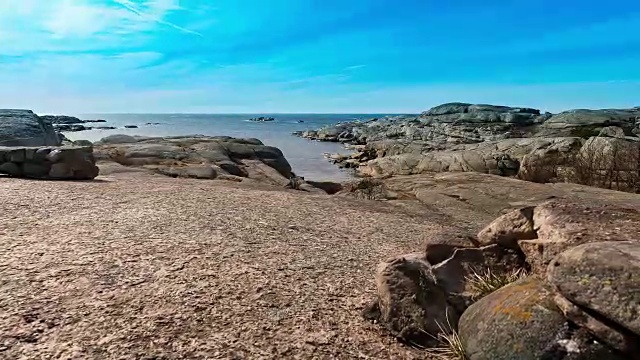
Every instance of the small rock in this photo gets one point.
(510, 228)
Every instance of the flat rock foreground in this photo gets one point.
(134, 265)
(145, 266)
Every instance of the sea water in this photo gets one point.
(306, 157)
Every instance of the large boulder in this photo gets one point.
(199, 156)
(616, 337)
(410, 304)
(24, 128)
(603, 277)
(493, 157)
(561, 225)
(57, 163)
(522, 322)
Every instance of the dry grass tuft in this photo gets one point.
(450, 346)
(483, 284)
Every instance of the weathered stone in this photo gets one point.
(61, 171)
(172, 155)
(83, 143)
(119, 139)
(612, 131)
(521, 322)
(603, 277)
(24, 128)
(510, 228)
(16, 155)
(41, 154)
(452, 274)
(494, 157)
(442, 245)
(328, 186)
(615, 337)
(36, 170)
(54, 155)
(592, 118)
(10, 168)
(61, 119)
(196, 172)
(561, 225)
(411, 305)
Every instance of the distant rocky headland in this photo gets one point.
(64, 123)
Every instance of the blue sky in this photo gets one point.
(371, 56)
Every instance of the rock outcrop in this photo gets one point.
(57, 163)
(579, 301)
(491, 157)
(466, 137)
(24, 128)
(64, 123)
(199, 157)
(585, 123)
(62, 119)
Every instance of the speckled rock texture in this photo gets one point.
(24, 128)
(521, 322)
(57, 163)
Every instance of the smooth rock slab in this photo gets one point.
(603, 277)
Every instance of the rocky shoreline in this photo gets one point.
(64, 123)
(466, 137)
(557, 261)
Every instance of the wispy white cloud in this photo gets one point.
(53, 25)
(160, 7)
(354, 67)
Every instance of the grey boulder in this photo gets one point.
(521, 322)
(24, 128)
(603, 277)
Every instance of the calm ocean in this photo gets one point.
(306, 157)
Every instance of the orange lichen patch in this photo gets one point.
(517, 313)
(518, 300)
